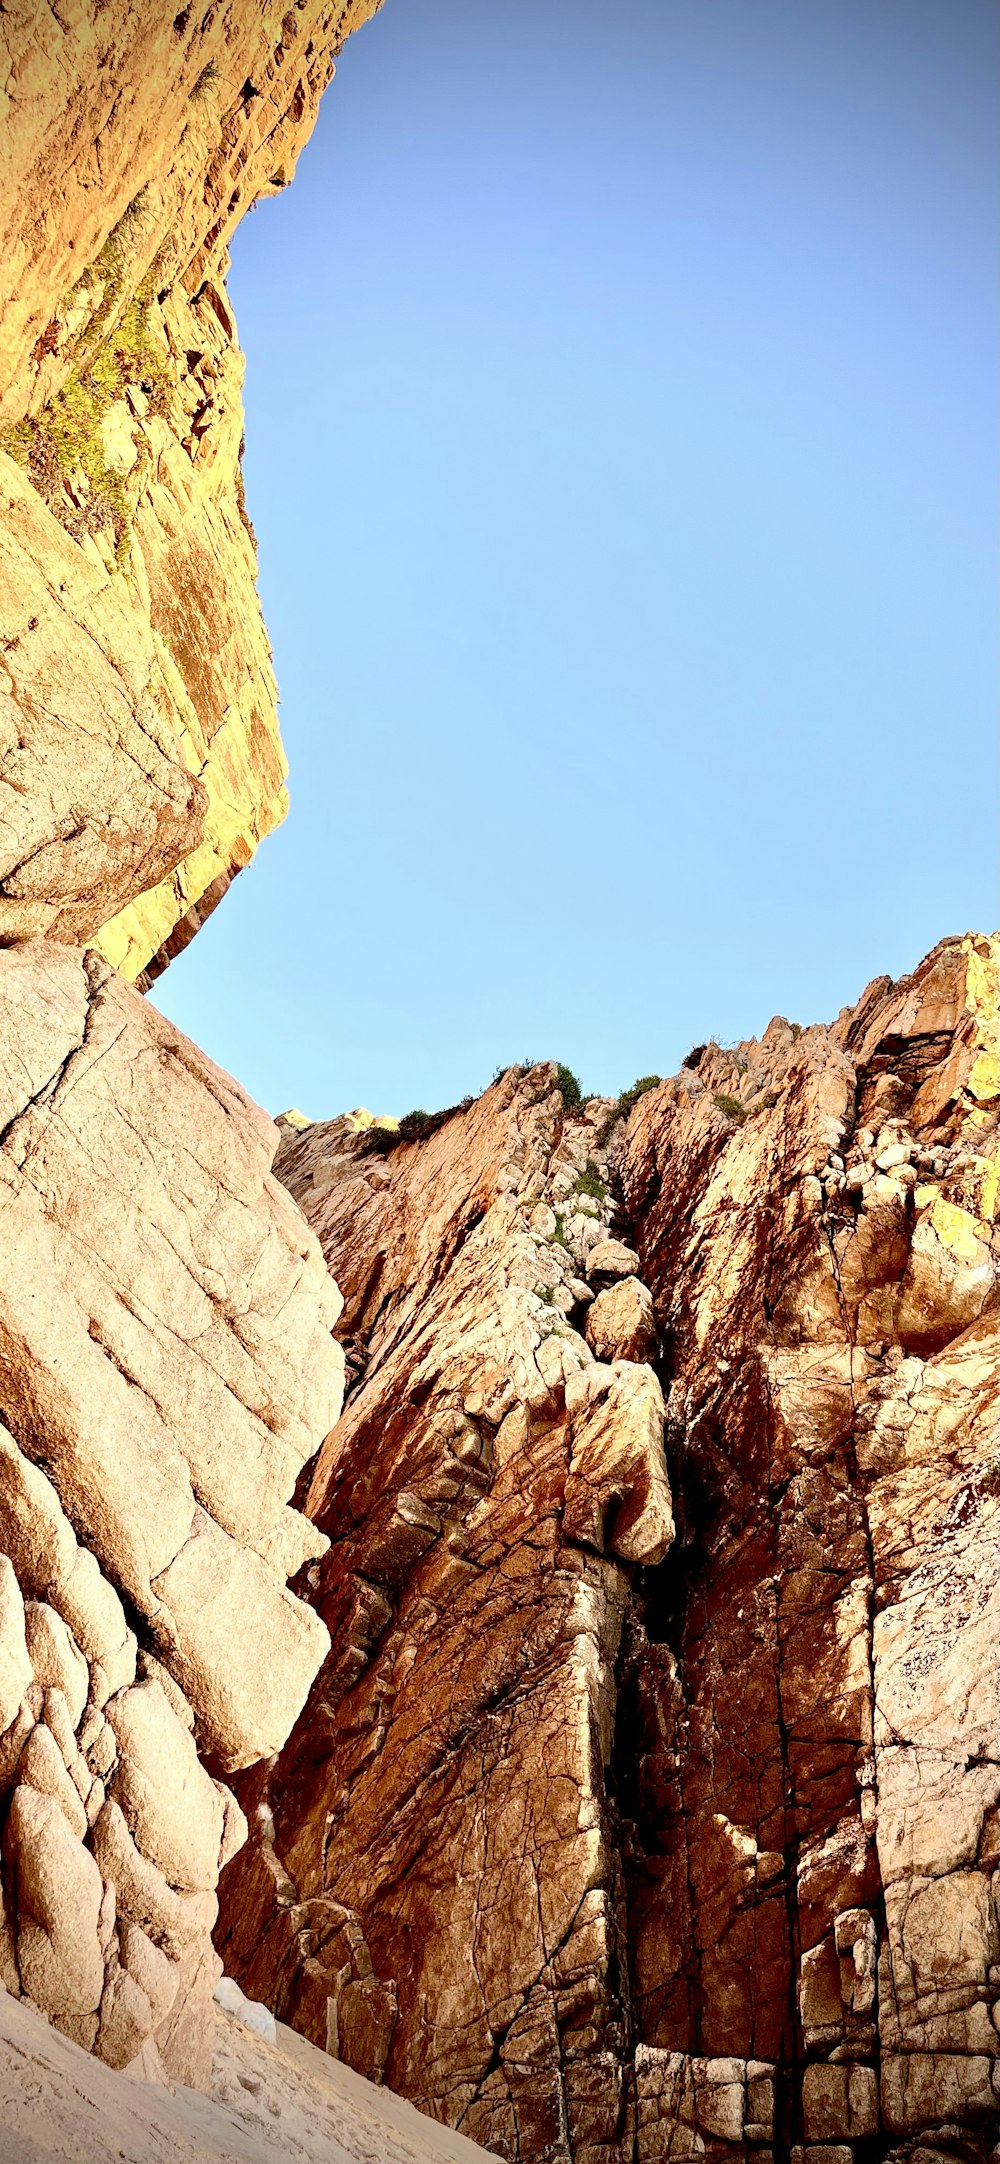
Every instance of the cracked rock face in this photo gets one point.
(140, 760)
(813, 1693)
(434, 1884)
(166, 1366)
(646, 1804)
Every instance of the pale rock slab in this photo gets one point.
(167, 1366)
(266, 2102)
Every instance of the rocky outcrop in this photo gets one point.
(140, 761)
(166, 1366)
(646, 1803)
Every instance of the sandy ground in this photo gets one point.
(283, 2103)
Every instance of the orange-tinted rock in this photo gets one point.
(621, 1323)
(679, 1844)
(485, 1492)
(836, 1658)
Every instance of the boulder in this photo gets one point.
(609, 1260)
(620, 1323)
(58, 1900)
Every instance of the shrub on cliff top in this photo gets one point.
(568, 1087)
(622, 1107)
(413, 1127)
(380, 1140)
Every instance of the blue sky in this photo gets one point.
(620, 445)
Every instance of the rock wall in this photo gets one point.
(441, 1899)
(646, 1803)
(813, 1849)
(166, 1366)
(140, 761)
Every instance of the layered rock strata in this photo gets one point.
(140, 761)
(646, 1805)
(166, 1366)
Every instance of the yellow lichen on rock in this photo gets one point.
(958, 1229)
(989, 1184)
(982, 984)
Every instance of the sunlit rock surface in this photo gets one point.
(646, 1803)
(140, 761)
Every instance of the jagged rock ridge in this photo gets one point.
(646, 1803)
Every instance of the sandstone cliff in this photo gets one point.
(646, 1802)
(140, 761)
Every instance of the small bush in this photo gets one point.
(413, 1127)
(413, 1124)
(380, 1140)
(591, 1182)
(559, 1234)
(622, 1107)
(208, 76)
(732, 1108)
(568, 1087)
(66, 438)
